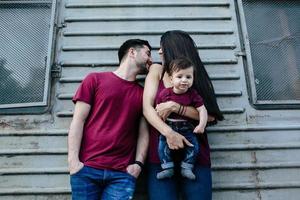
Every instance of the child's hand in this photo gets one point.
(199, 129)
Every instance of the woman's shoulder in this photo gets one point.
(156, 68)
(155, 71)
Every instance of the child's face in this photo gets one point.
(182, 80)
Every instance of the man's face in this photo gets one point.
(143, 58)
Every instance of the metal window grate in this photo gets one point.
(24, 42)
(274, 35)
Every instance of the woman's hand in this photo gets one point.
(177, 141)
(165, 109)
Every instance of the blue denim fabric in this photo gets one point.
(176, 187)
(190, 153)
(91, 184)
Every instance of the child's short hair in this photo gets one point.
(179, 64)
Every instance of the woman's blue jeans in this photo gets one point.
(173, 188)
(94, 184)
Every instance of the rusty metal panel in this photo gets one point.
(252, 150)
(91, 39)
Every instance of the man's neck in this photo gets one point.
(126, 72)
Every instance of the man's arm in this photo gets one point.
(81, 112)
(141, 150)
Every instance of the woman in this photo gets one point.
(176, 44)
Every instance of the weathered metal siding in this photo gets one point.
(255, 153)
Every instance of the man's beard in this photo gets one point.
(143, 69)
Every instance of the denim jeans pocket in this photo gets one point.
(131, 176)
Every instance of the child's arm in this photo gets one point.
(202, 121)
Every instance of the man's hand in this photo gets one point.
(134, 170)
(177, 141)
(75, 166)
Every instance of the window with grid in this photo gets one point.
(271, 30)
(26, 29)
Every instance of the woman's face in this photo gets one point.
(160, 53)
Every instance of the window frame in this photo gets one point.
(41, 106)
(249, 69)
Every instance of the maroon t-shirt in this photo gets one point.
(203, 158)
(189, 98)
(110, 131)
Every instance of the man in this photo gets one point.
(108, 137)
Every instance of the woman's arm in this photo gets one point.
(166, 108)
(174, 139)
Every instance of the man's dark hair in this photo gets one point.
(179, 64)
(132, 43)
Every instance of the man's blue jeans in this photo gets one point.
(185, 128)
(91, 184)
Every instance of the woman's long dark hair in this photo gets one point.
(177, 44)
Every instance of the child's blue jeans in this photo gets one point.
(185, 128)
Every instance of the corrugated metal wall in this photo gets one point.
(255, 154)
